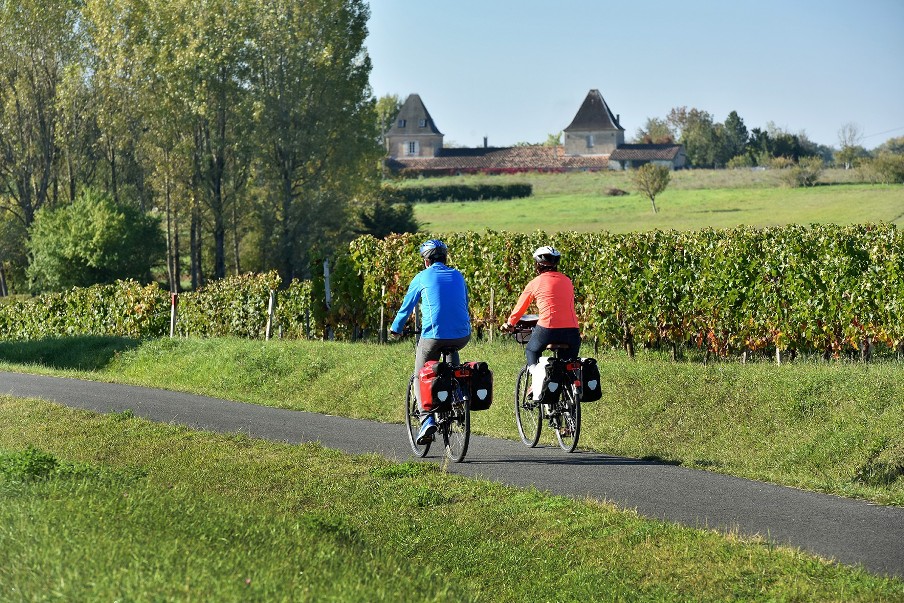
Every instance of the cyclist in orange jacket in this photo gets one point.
(553, 293)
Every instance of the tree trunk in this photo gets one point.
(629, 342)
(235, 239)
(177, 255)
(197, 279)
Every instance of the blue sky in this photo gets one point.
(517, 70)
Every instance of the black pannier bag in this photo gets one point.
(435, 381)
(547, 377)
(591, 390)
(480, 385)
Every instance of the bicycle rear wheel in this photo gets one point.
(528, 413)
(568, 421)
(457, 429)
(413, 421)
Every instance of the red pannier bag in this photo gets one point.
(480, 385)
(435, 382)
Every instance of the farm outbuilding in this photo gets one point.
(630, 156)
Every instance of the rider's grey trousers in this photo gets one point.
(429, 349)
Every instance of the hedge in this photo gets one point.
(821, 288)
(235, 306)
(456, 192)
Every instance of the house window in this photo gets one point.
(590, 141)
(422, 123)
(402, 123)
(411, 148)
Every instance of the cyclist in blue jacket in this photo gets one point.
(445, 320)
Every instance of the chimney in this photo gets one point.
(617, 119)
(484, 142)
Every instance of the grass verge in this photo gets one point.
(832, 427)
(112, 507)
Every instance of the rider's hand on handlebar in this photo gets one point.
(508, 328)
(395, 335)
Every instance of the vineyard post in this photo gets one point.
(271, 307)
(492, 315)
(382, 334)
(172, 322)
(327, 295)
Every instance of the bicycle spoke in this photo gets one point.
(568, 423)
(412, 421)
(528, 414)
(457, 430)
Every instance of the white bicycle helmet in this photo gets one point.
(547, 256)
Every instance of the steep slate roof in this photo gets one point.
(412, 111)
(645, 152)
(594, 114)
(537, 158)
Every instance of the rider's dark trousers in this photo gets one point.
(541, 337)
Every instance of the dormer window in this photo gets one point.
(402, 123)
(422, 123)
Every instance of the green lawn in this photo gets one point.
(694, 199)
(115, 508)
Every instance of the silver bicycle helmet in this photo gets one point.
(434, 250)
(547, 256)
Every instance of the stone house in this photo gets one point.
(414, 145)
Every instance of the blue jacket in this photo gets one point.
(444, 303)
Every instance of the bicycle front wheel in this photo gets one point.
(457, 430)
(413, 421)
(528, 413)
(568, 422)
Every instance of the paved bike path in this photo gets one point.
(850, 531)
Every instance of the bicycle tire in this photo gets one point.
(528, 413)
(568, 420)
(413, 422)
(457, 429)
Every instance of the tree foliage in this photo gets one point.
(242, 121)
(93, 240)
(41, 45)
(651, 179)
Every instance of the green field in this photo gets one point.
(694, 199)
(115, 508)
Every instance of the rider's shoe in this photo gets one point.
(428, 428)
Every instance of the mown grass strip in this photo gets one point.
(833, 427)
(133, 510)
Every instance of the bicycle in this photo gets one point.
(563, 412)
(453, 418)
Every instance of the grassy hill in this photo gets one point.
(694, 199)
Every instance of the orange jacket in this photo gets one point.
(554, 294)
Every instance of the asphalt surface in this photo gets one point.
(849, 531)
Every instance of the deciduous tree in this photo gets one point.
(651, 179)
(93, 240)
(315, 121)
